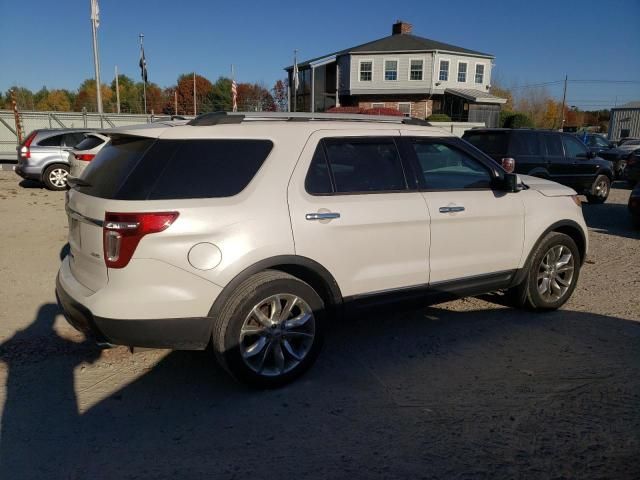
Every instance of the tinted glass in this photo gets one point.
(210, 168)
(318, 179)
(137, 169)
(491, 143)
(365, 165)
(88, 143)
(573, 147)
(524, 143)
(53, 141)
(72, 139)
(553, 145)
(107, 172)
(443, 167)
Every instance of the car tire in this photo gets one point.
(552, 274)
(55, 177)
(270, 330)
(599, 191)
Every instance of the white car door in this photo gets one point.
(352, 212)
(476, 231)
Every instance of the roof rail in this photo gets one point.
(220, 118)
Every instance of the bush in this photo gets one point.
(518, 120)
(382, 111)
(344, 110)
(439, 117)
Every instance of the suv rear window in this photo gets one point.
(491, 143)
(88, 143)
(134, 168)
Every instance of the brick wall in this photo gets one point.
(419, 108)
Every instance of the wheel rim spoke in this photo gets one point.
(277, 334)
(555, 273)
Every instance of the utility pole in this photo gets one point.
(175, 100)
(143, 65)
(95, 22)
(295, 80)
(564, 100)
(194, 94)
(117, 91)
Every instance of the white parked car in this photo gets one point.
(246, 232)
(85, 151)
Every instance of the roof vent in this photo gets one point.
(401, 28)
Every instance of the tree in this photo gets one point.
(155, 98)
(184, 88)
(23, 96)
(39, 96)
(503, 93)
(56, 100)
(130, 98)
(219, 99)
(253, 97)
(280, 96)
(86, 97)
(518, 120)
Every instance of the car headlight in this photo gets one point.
(576, 200)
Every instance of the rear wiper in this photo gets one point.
(78, 182)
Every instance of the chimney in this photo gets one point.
(401, 28)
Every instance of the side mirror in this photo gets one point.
(592, 154)
(510, 183)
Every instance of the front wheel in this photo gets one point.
(552, 274)
(55, 177)
(269, 332)
(600, 189)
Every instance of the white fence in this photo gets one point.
(34, 120)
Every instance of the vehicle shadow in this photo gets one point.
(429, 393)
(611, 219)
(28, 183)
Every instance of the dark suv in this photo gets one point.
(556, 156)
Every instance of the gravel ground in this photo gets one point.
(466, 389)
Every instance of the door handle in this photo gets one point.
(451, 209)
(322, 216)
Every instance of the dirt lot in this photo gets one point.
(467, 389)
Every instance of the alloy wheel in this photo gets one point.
(277, 334)
(58, 177)
(555, 273)
(602, 188)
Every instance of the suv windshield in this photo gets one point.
(135, 168)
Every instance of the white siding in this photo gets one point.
(471, 62)
(402, 83)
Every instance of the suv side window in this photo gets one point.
(525, 143)
(443, 167)
(72, 139)
(553, 145)
(364, 165)
(573, 147)
(318, 181)
(53, 141)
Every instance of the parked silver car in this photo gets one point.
(85, 151)
(43, 156)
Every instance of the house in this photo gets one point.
(415, 75)
(625, 121)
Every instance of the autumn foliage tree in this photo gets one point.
(86, 97)
(253, 97)
(184, 88)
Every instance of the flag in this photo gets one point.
(143, 65)
(234, 95)
(95, 13)
(296, 80)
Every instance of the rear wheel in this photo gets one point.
(552, 274)
(55, 177)
(270, 330)
(599, 191)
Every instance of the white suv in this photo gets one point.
(247, 232)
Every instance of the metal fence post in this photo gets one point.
(84, 116)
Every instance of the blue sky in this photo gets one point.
(533, 42)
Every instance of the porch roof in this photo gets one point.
(476, 96)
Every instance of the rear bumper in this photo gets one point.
(182, 333)
(28, 172)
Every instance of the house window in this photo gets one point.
(405, 108)
(377, 105)
(366, 71)
(444, 70)
(415, 72)
(391, 70)
(462, 72)
(480, 73)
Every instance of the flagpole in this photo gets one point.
(117, 91)
(96, 60)
(144, 77)
(175, 99)
(194, 94)
(295, 80)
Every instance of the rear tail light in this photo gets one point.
(509, 164)
(123, 231)
(25, 150)
(87, 157)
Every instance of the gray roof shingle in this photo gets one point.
(398, 43)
